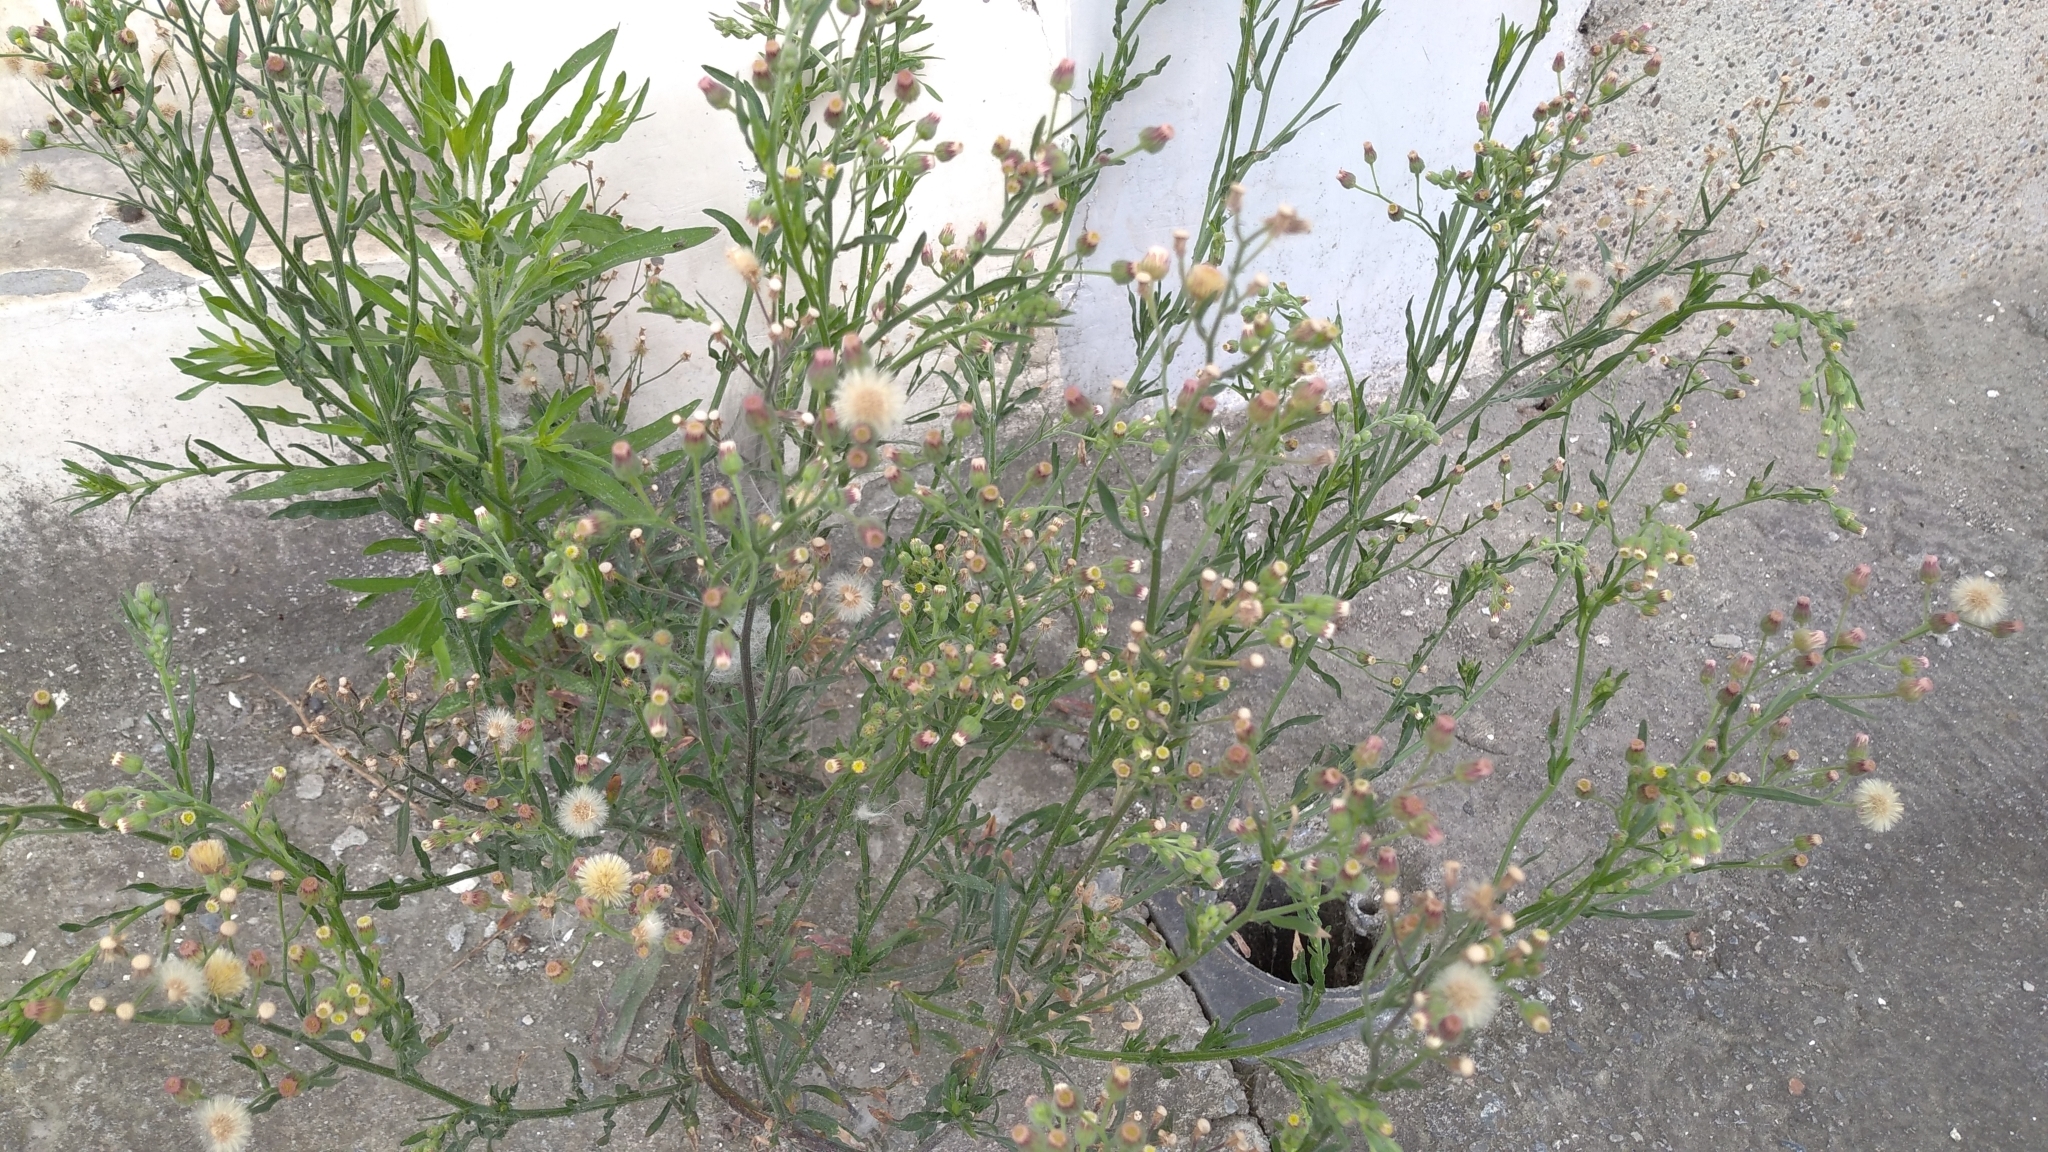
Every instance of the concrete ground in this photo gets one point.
(1890, 998)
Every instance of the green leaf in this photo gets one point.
(329, 509)
(733, 228)
(419, 628)
(1764, 792)
(391, 544)
(1108, 501)
(305, 481)
(1653, 914)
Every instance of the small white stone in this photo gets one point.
(456, 935)
(28, 958)
(7, 938)
(462, 885)
(234, 701)
(1728, 640)
(527, 1020)
(2026, 986)
(350, 838)
(311, 786)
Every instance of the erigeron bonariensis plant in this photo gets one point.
(796, 641)
(433, 291)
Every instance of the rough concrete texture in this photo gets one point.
(1892, 997)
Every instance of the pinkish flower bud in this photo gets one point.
(1485, 112)
(1473, 771)
(1773, 622)
(715, 94)
(1368, 753)
(1439, 733)
(1346, 179)
(1654, 64)
(1077, 403)
(761, 74)
(1858, 580)
(1156, 137)
(1063, 75)
(906, 88)
(946, 150)
(822, 364)
(1944, 621)
(1912, 690)
(1930, 569)
(1415, 162)
(2006, 629)
(1371, 154)
(835, 110)
(1802, 610)
(1557, 65)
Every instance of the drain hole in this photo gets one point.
(1272, 946)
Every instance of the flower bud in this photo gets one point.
(906, 87)
(1773, 622)
(1205, 282)
(1415, 162)
(715, 94)
(1366, 755)
(1439, 733)
(1063, 75)
(1858, 580)
(928, 126)
(1557, 65)
(1156, 137)
(1930, 569)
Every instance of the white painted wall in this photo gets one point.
(94, 363)
(1414, 82)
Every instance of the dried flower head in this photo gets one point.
(501, 728)
(606, 878)
(870, 398)
(1586, 284)
(8, 146)
(1666, 298)
(1978, 600)
(36, 179)
(852, 598)
(180, 979)
(582, 812)
(648, 931)
(1468, 992)
(744, 262)
(207, 857)
(225, 974)
(223, 1123)
(1878, 806)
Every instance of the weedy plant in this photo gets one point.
(737, 693)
